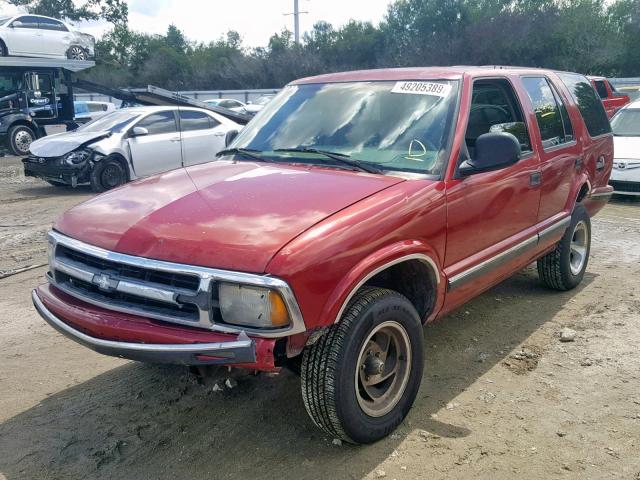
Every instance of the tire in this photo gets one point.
(19, 139)
(335, 367)
(107, 174)
(563, 268)
(3, 50)
(76, 53)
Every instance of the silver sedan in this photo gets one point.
(129, 144)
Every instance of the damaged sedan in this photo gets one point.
(129, 144)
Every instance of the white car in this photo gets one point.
(625, 177)
(254, 107)
(229, 103)
(128, 144)
(38, 36)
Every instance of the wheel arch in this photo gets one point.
(414, 272)
(120, 159)
(3, 47)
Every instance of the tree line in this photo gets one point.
(587, 36)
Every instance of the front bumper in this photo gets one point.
(51, 169)
(140, 339)
(625, 181)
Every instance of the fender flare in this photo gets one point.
(377, 262)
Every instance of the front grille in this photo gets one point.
(189, 282)
(132, 288)
(620, 186)
(83, 289)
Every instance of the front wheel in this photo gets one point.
(564, 267)
(77, 53)
(107, 174)
(20, 138)
(360, 378)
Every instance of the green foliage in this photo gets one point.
(587, 36)
(113, 11)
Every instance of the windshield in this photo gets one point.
(212, 102)
(10, 83)
(113, 122)
(626, 123)
(395, 126)
(3, 20)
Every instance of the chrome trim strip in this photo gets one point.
(241, 350)
(416, 256)
(562, 224)
(481, 268)
(207, 276)
(602, 194)
(477, 270)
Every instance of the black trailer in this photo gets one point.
(38, 92)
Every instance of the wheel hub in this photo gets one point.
(373, 365)
(384, 367)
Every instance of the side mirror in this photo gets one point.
(17, 24)
(493, 150)
(139, 132)
(230, 137)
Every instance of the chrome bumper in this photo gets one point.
(241, 350)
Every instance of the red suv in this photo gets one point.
(353, 209)
(611, 98)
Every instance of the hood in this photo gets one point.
(224, 214)
(63, 143)
(626, 148)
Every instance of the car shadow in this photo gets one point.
(144, 421)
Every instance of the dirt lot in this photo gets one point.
(501, 397)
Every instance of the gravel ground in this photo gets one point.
(502, 397)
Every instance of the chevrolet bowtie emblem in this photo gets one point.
(103, 281)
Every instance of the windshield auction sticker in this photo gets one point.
(422, 88)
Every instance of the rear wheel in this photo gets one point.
(564, 267)
(20, 138)
(77, 53)
(107, 174)
(360, 378)
(3, 50)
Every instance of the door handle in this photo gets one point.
(535, 179)
(600, 163)
(579, 161)
(219, 134)
(174, 140)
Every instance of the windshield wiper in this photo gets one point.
(342, 158)
(247, 152)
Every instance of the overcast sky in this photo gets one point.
(255, 20)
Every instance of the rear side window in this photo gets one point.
(589, 103)
(162, 122)
(548, 109)
(190, 120)
(51, 24)
(601, 88)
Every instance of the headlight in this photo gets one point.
(77, 156)
(251, 306)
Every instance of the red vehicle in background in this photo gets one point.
(611, 98)
(355, 208)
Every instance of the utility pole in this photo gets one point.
(296, 20)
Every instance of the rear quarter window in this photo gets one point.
(589, 103)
